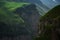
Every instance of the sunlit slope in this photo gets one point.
(13, 5)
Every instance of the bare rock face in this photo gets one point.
(30, 15)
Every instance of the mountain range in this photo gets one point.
(42, 8)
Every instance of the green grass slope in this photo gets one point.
(6, 11)
(9, 20)
(6, 16)
(13, 5)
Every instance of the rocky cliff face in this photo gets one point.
(31, 17)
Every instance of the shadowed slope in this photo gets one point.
(50, 25)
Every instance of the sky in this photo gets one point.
(51, 3)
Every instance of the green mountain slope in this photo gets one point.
(9, 20)
(6, 15)
(7, 8)
(13, 5)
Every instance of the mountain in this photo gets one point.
(8, 19)
(31, 16)
(50, 25)
(13, 5)
(18, 20)
(42, 8)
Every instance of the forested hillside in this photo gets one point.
(50, 25)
